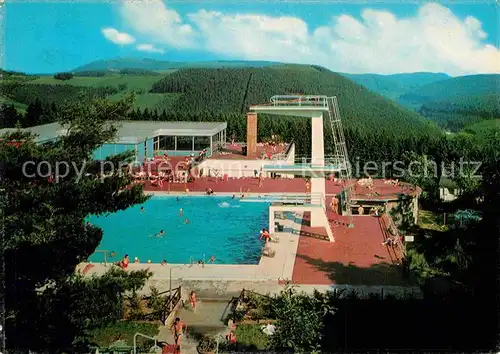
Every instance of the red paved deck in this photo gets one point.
(284, 185)
(357, 257)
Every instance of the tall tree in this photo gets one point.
(44, 230)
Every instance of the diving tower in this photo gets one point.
(317, 166)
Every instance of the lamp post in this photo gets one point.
(170, 285)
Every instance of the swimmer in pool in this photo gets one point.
(160, 234)
(177, 199)
(212, 259)
(180, 212)
(142, 209)
(186, 221)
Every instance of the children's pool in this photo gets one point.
(220, 226)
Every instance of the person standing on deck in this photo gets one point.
(192, 300)
(178, 330)
(124, 262)
(334, 204)
(308, 186)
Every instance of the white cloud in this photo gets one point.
(117, 37)
(154, 20)
(434, 39)
(149, 48)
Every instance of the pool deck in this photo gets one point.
(357, 257)
(246, 185)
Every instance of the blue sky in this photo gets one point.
(457, 39)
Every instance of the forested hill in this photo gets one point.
(473, 85)
(456, 113)
(233, 90)
(395, 85)
(375, 127)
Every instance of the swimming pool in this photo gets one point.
(220, 226)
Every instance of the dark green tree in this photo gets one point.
(44, 230)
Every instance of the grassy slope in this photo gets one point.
(19, 106)
(483, 128)
(133, 82)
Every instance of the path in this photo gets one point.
(208, 319)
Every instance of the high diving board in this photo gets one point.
(301, 168)
(299, 200)
(295, 105)
(306, 166)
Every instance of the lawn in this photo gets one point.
(132, 82)
(19, 106)
(123, 331)
(431, 221)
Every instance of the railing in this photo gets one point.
(299, 101)
(147, 337)
(171, 300)
(311, 162)
(390, 230)
(304, 199)
(105, 252)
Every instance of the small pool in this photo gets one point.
(220, 226)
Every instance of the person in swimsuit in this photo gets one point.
(124, 262)
(178, 329)
(192, 300)
(160, 234)
(181, 212)
(212, 259)
(265, 235)
(142, 209)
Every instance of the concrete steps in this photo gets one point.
(207, 320)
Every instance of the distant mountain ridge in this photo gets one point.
(394, 85)
(161, 65)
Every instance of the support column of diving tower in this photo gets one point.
(310, 107)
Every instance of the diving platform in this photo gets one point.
(306, 167)
(315, 200)
(313, 107)
(298, 106)
(313, 203)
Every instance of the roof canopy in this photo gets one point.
(130, 132)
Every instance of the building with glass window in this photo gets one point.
(146, 138)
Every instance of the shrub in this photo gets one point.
(135, 306)
(206, 344)
(63, 76)
(155, 301)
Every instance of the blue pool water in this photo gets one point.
(219, 226)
